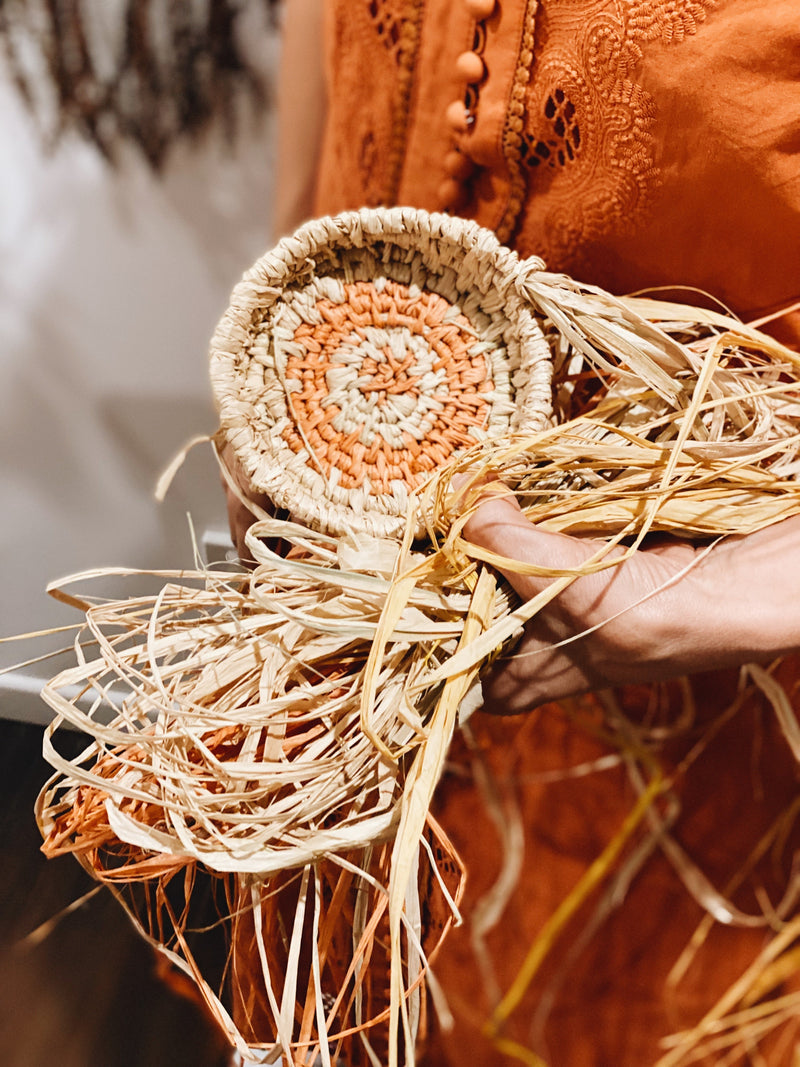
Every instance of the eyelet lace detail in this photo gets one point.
(387, 17)
(585, 156)
(564, 142)
(397, 25)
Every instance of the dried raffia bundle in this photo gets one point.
(280, 733)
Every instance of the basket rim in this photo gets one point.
(441, 243)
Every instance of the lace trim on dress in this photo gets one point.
(397, 26)
(513, 134)
(586, 118)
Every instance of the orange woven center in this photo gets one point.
(385, 386)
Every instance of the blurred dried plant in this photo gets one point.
(144, 72)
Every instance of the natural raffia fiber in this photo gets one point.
(363, 352)
(281, 732)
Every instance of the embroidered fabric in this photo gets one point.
(567, 153)
(366, 140)
(388, 17)
(587, 149)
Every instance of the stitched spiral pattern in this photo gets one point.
(364, 352)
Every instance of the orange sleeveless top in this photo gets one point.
(632, 144)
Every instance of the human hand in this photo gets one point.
(240, 516)
(666, 610)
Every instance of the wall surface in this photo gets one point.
(111, 282)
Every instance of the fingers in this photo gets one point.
(240, 516)
(593, 633)
(498, 525)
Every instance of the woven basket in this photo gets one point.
(364, 352)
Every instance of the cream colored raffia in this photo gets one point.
(279, 734)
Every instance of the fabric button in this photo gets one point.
(480, 9)
(458, 116)
(469, 66)
(458, 165)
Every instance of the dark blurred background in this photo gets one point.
(88, 993)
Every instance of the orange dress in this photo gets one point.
(634, 144)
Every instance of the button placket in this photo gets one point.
(461, 114)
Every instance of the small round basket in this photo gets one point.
(367, 350)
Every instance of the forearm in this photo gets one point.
(669, 610)
(752, 589)
(301, 113)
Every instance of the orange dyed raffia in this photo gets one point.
(459, 384)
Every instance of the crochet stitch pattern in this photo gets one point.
(348, 389)
(386, 387)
